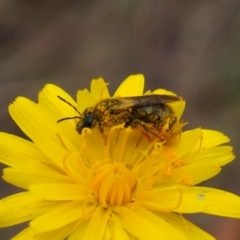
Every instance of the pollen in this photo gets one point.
(113, 184)
(186, 179)
(178, 163)
(170, 153)
(169, 171)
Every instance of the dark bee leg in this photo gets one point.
(146, 129)
(101, 129)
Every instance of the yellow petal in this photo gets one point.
(27, 233)
(196, 173)
(51, 91)
(162, 91)
(79, 231)
(30, 117)
(116, 231)
(178, 107)
(40, 127)
(58, 191)
(190, 230)
(98, 221)
(42, 174)
(211, 201)
(99, 90)
(48, 98)
(182, 145)
(213, 138)
(59, 109)
(131, 86)
(200, 167)
(56, 149)
(58, 234)
(60, 216)
(220, 155)
(209, 139)
(154, 228)
(18, 148)
(22, 207)
(84, 100)
(198, 199)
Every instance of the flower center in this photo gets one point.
(113, 184)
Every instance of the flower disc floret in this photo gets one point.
(113, 184)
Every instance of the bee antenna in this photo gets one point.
(64, 100)
(67, 118)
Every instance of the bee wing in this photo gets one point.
(145, 100)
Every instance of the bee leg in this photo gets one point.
(101, 129)
(146, 128)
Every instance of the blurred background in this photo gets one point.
(190, 47)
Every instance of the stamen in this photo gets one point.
(144, 153)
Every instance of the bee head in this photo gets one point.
(88, 120)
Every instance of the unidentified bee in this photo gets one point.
(149, 112)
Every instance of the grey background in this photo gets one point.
(190, 47)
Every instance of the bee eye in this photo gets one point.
(88, 120)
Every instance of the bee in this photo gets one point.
(150, 113)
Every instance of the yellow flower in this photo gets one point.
(78, 186)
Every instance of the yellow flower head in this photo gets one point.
(113, 171)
